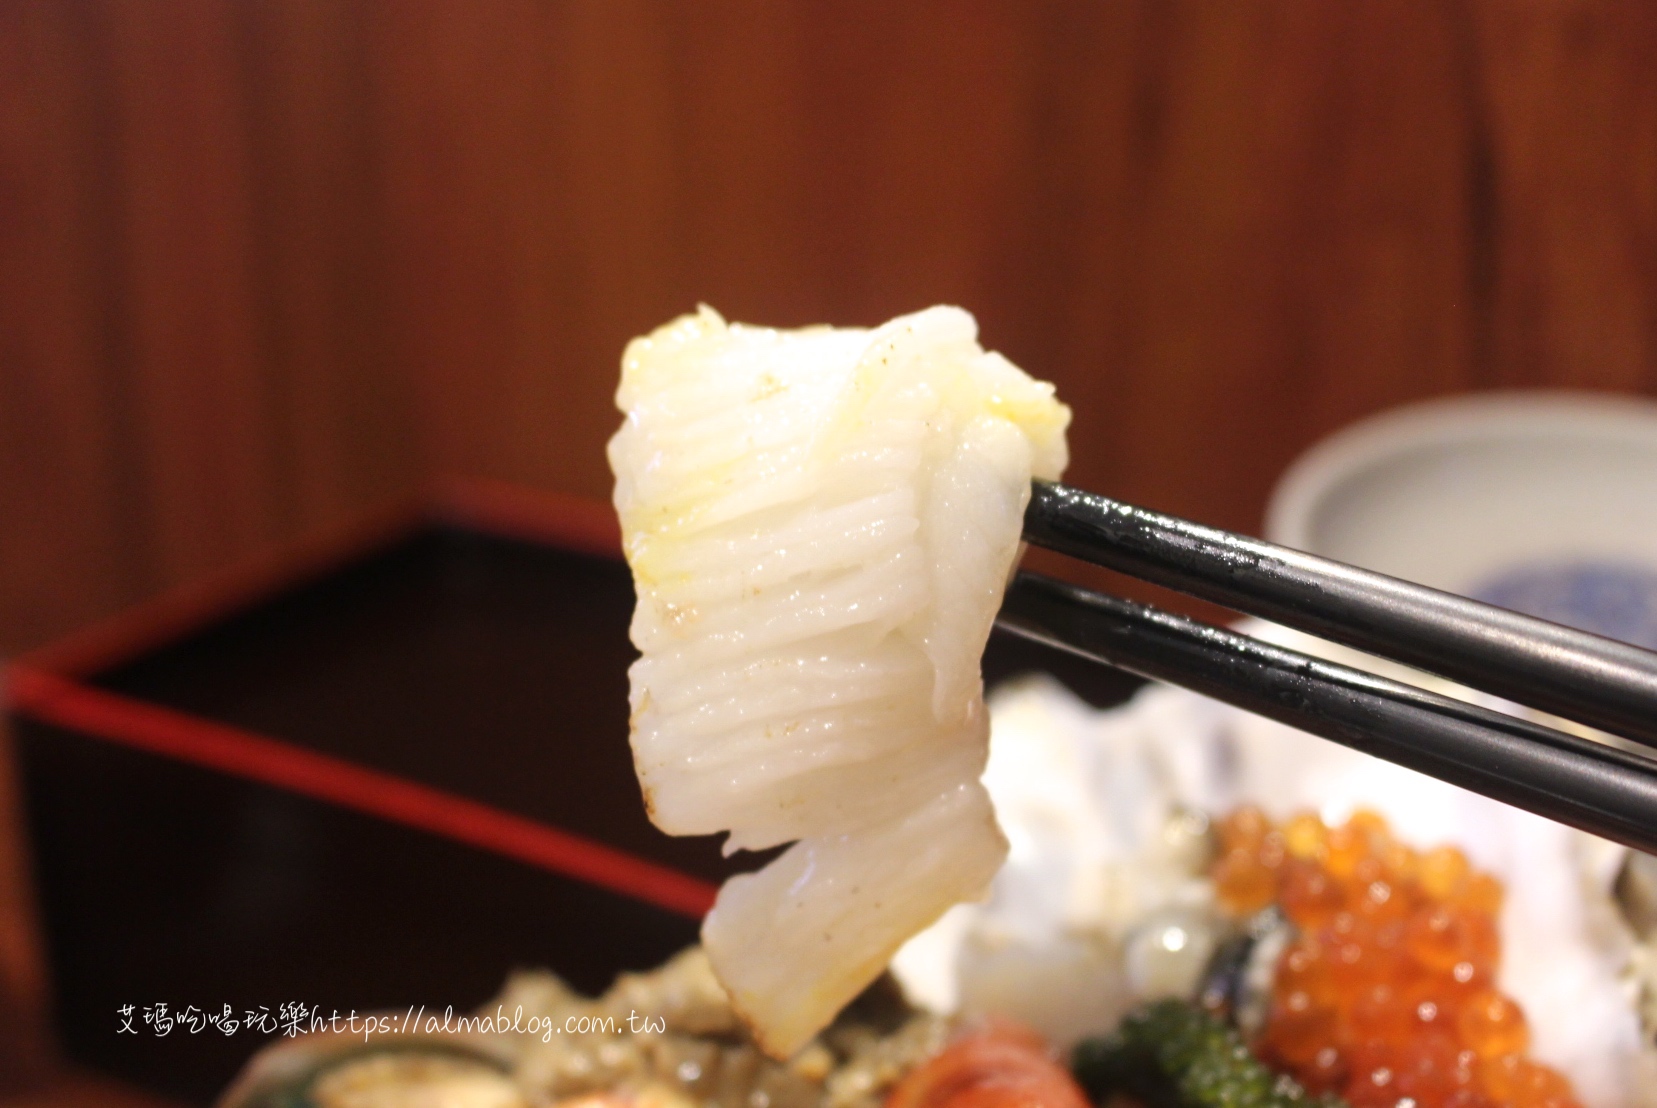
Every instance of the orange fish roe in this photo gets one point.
(1386, 996)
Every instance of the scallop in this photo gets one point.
(820, 525)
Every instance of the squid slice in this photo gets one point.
(820, 525)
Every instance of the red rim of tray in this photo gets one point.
(48, 686)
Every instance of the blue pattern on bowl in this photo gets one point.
(1617, 600)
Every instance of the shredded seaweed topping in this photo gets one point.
(1172, 1054)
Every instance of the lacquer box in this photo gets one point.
(379, 771)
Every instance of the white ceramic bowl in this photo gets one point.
(1541, 501)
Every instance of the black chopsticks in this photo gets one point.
(1609, 792)
(1593, 680)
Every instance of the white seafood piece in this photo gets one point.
(797, 940)
(1079, 791)
(1101, 852)
(820, 525)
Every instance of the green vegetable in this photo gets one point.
(1172, 1054)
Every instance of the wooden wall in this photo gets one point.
(265, 265)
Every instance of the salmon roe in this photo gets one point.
(1386, 995)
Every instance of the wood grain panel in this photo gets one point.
(193, 363)
(340, 417)
(72, 545)
(271, 263)
(185, 225)
(267, 264)
(1571, 94)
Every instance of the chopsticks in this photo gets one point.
(1593, 680)
(1608, 792)
(1597, 788)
